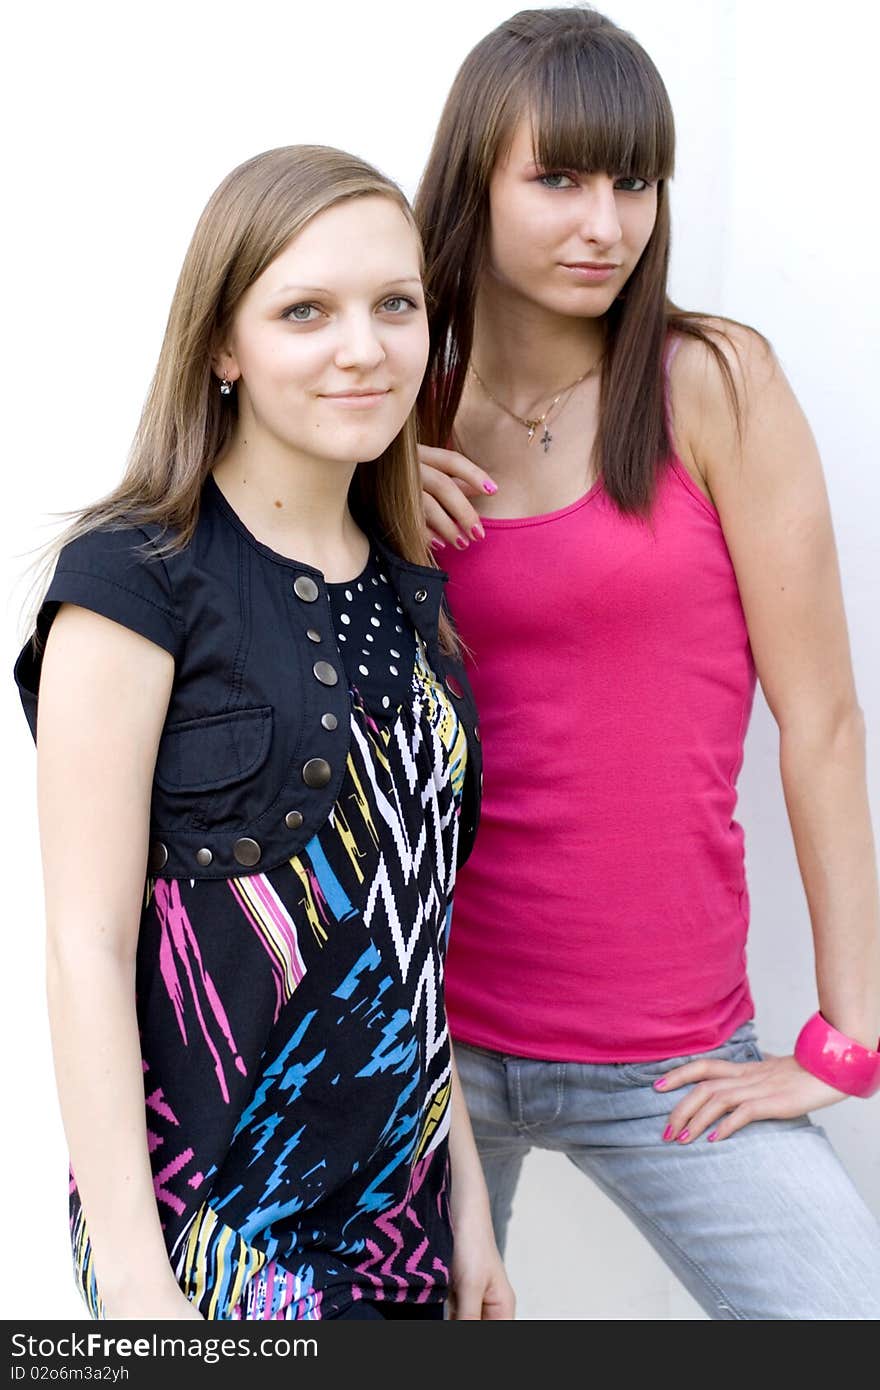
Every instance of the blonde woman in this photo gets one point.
(243, 680)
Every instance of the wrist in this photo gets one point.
(469, 1199)
(132, 1285)
(837, 1059)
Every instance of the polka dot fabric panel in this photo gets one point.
(377, 647)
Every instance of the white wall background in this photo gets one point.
(120, 120)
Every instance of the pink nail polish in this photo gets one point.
(438, 545)
(490, 488)
(685, 1134)
(478, 533)
(658, 1085)
(667, 1134)
(460, 543)
(713, 1136)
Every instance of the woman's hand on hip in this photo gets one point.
(726, 1096)
(448, 480)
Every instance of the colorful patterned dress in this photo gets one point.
(295, 1051)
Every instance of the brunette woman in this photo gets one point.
(632, 511)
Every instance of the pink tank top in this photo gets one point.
(602, 915)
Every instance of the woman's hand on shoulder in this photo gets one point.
(448, 480)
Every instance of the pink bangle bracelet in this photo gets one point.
(837, 1059)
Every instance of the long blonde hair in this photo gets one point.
(186, 423)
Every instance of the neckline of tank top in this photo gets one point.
(674, 467)
(539, 518)
(212, 493)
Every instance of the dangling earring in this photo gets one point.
(225, 387)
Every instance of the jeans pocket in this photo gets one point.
(741, 1046)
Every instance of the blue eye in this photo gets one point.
(626, 184)
(294, 315)
(547, 180)
(401, 300)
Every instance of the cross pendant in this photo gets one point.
(546, 439)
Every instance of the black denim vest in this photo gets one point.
(254, 748)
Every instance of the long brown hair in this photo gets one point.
(186, 423)
(597, 103)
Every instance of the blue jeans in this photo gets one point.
(763, 1225)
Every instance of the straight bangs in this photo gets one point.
(599, 107)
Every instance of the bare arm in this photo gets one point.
(771, 498)
(480, 1288)
(777, 523)
(103, 697)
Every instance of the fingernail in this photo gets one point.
(658, 1085)
(478, 533)
(460, 543)
(667, 1133)
(685, 1134)
(490, 488)
(711, 1137)
(438, 545)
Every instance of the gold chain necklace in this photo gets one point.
(532, 424)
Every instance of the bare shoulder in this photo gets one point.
(698, 379)
(714, 386)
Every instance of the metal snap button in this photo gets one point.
(246, 852)
(204, 857)
(453, 685)
(313, 635)
(158, 856)
(293, 820)
(317, 773)
(420, 595)
(305, 588)
(325, 673)
(329, 721)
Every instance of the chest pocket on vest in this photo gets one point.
(200, 755)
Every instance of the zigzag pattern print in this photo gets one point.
(296, 1054)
